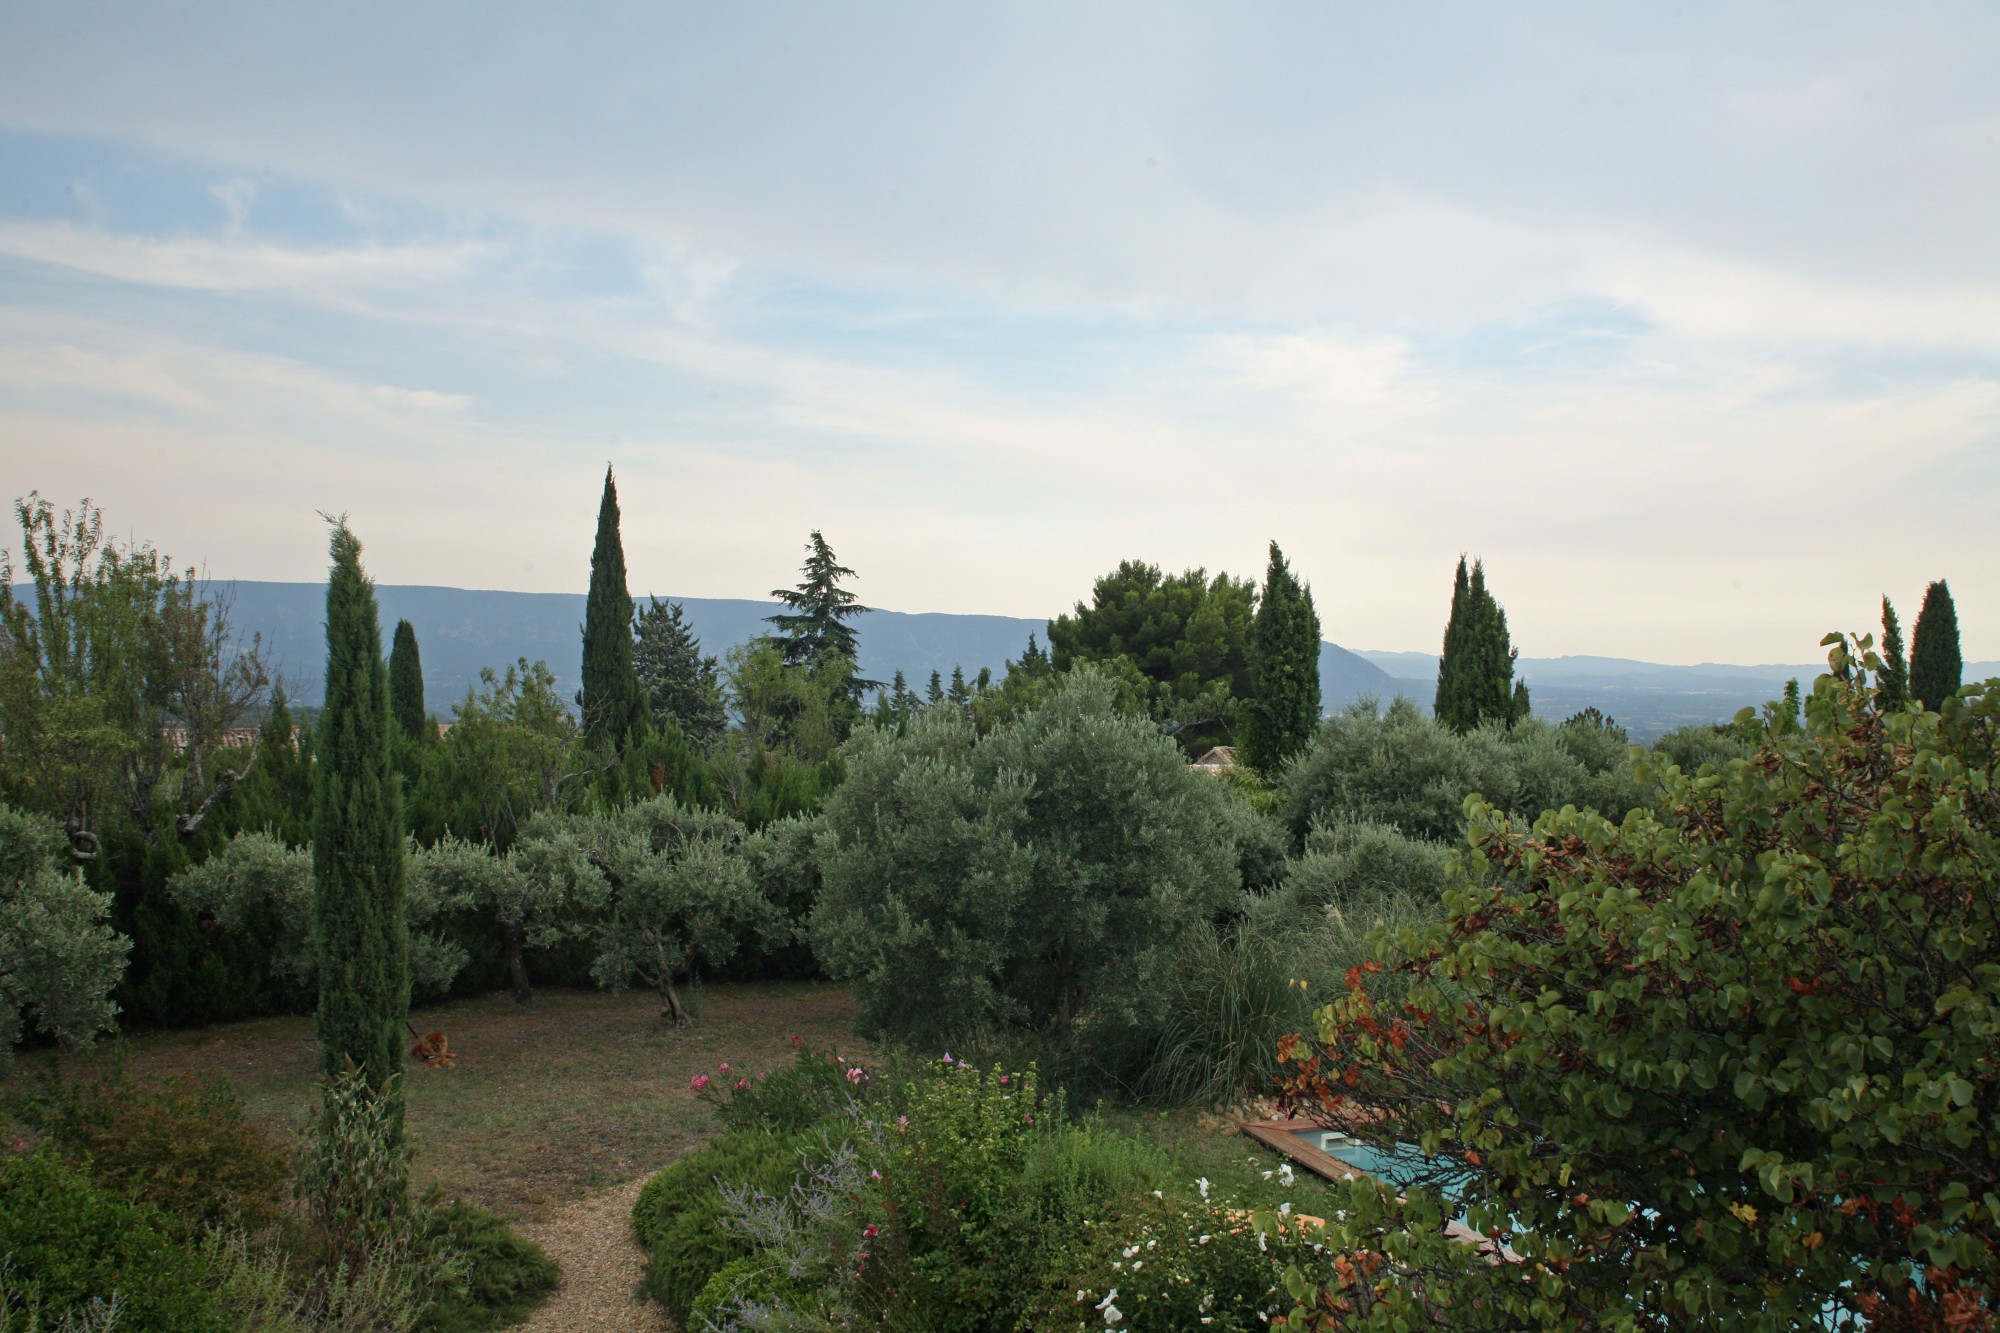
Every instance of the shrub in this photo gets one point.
(1733, 1054)
(1021, 880)
(58, 958)
(679, 1213)
(352, 1173)
(813, 1090)
(181, 1143)
(506, 1275)
(71, 1243)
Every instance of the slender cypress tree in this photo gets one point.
(1283, 709)
(614, 710)
(1935, 665)
(358, 912)
(406, 684)
(1893, 689)
(1453, 705)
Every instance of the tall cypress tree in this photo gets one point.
(358, 912)
(406, 683)
(614, 710)
(1935, 664)
(1453, 705)
(1893, 689)
(1283, 709)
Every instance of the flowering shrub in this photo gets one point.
(815, 1088)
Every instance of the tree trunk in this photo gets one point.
(517, 963)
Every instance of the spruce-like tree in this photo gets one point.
(1283, 710)
(1893, 689)
(958, 692)
(935, 694)
(614, 709)
(406, 684)
(680, 684)
(1935, 665)
(816, 628)
(358, 910)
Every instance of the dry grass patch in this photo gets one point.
(546, 1102)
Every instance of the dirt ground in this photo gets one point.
(547, 1102)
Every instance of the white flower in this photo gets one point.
(1081, 1295)
(1138, 1264)
(1159, 1194)
(1112, 1314)
(1109, 1297)
(1285, 1174)
(1267, 1175)
(1204, 1240)
(1262, 1248)
(1202, 1185)
(1285, 1208)
(1152, 1244)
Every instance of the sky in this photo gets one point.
(1685, 319)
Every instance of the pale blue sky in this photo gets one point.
(1687, 320)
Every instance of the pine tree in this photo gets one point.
(1452, 706)
(1893, 689)
(358, 912)
(406, 683)
(1935, 665)
(1283, 710)
(679, 684)
(935, 695)
(959, 692)
(816, 627)
(614, 710)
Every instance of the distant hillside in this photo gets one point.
(460, 630)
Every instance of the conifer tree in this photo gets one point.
(1283, 710)
(358, 911)
(1476, 670)
(815, 628)
(959, 692)
(935, 695)
(1452, 706)
(406, 683)
(614, 710)
(680, 684)
(1893, 689)
(1935, 664)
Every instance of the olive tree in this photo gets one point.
(1027, 879)
(59, 960)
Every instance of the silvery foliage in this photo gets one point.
(799, 1231)
(256, 871)
(59, 959)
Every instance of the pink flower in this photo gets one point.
(743, 1085)
(874, 1174)
(722, 1068)
(855, 1075)
(1003, 1078)
(698, 1082)
(871, 1230)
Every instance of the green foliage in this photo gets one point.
(406, 685)
(181, 1144)
(815, 630)
(352, 1173)
(116, 686)
(784, 865)
(358, 908)
(679, 1213)
(682, 897)
(1282, 711)
(1018, 880)
(1727, 1062)
(58, 959)
(1697, 746)
(1476, 671)
(680, 684)
(512, 752)
(506, 1275)
(1894, 684)
(68, 1243)
(1935, 664)
(811, 1091)
(800, 711)
(1180, 642)
(614, 707)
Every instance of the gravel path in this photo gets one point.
(601, 1265)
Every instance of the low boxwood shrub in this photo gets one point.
(69, 1242)
(506, 1275)
(679, 1215)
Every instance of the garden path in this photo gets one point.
(601, 1265)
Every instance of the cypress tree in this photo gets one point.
(358, 913)
(1452, 706)
(613, 707)
(1893, 689)
(1935, 664)
(1283, 709)
(406, 683)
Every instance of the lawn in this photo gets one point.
(578, 1090)
(546, 1101)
